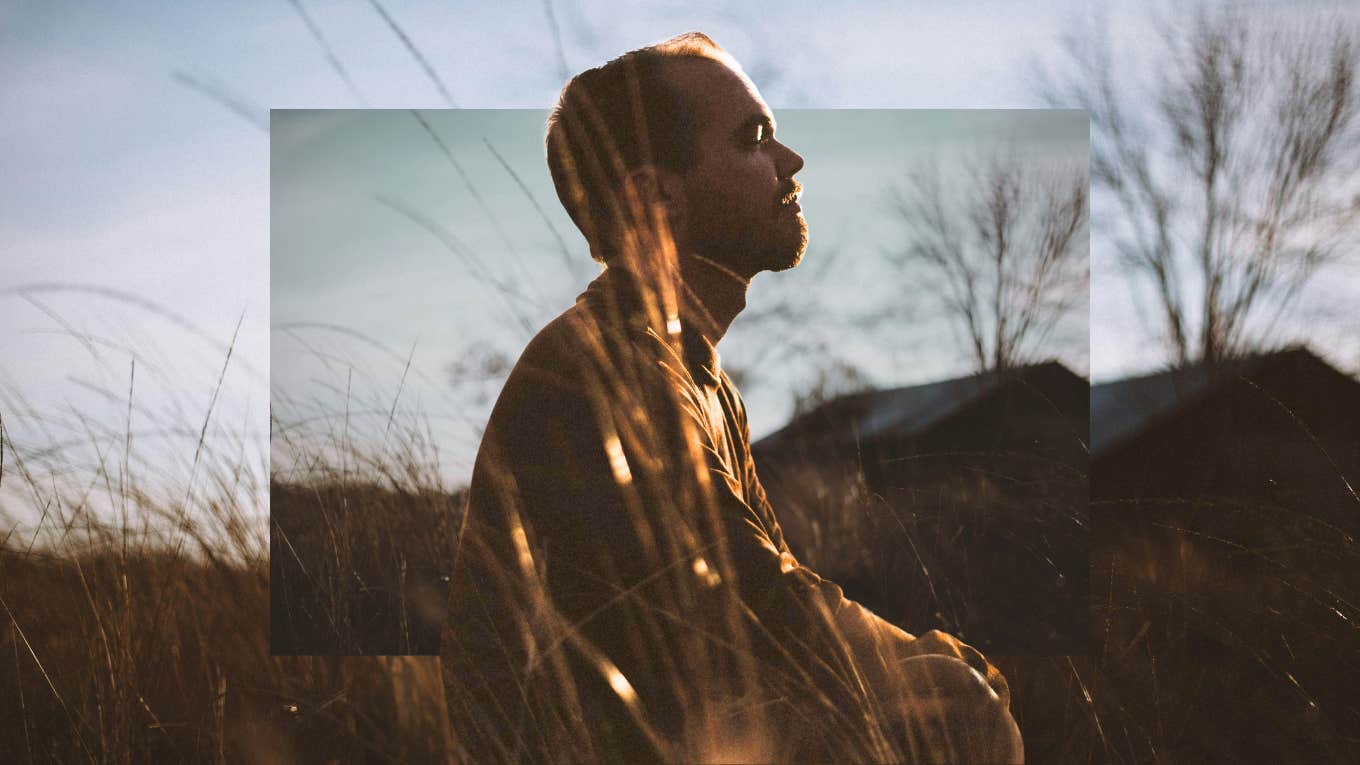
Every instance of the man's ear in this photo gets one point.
(656, 186)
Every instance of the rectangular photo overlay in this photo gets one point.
(772, 388)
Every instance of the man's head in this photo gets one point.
(677, 127)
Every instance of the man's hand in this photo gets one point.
(949, 714)
(947, 704)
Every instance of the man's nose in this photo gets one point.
(790, 163)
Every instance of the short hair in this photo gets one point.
(615, 118)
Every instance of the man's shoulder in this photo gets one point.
(578, 371)
(545, 386)
(551, 359)
(554, 345)
(580, 348)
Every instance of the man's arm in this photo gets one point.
(952, 701)
(869, 633)
(944, 699)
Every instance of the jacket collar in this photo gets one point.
(617, 296)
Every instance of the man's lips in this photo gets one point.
(789, 199)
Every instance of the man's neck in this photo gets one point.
(712, 296)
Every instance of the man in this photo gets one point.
(622, 587)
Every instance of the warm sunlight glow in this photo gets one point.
(617, 462)
(526, 559)
(621, 685)
(706, 575)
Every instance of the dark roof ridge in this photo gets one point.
(948, 397)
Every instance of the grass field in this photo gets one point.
(1220, 631)
(136, 654)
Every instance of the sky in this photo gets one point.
(354, 193)
(135, 181)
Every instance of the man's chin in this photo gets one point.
(787, 261)
(792, 254)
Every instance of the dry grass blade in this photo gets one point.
(414, 51)
(326, 50)
(391, 415)
(567, 258)
(476, 194)
(76, 725)
(238, 105)
(556, 33)
(212, 404)
(176, 319)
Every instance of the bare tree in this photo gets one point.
(1231, 167)
(1007, 243)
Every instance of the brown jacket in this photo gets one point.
(622, 581)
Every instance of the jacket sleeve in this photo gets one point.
(869, 636)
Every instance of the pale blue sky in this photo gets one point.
(117, 176)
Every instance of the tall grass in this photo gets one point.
(119, 648)
(134, 594)
(362, 540)
(1222, 629)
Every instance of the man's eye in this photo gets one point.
(762, 134)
